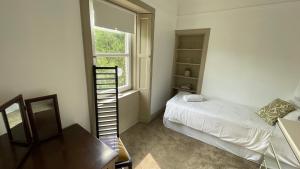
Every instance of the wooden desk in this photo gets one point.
(11, 155)
(76, 149)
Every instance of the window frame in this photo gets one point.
(127, 55)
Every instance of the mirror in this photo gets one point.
(13, 114)
(15, 121)
(44, 117)
(2, 126)
(11, 154)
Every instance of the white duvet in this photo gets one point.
(230, 122)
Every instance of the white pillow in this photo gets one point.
(193, 98)
(296, 103)
(293, 115)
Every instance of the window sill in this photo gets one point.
(127, 93)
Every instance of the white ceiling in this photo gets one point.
(188, 7)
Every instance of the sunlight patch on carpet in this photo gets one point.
(148, 162)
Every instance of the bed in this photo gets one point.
(229, 126)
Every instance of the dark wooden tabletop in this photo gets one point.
(11, 155)
(75, 149)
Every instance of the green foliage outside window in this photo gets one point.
(111, 42)
(114, 61)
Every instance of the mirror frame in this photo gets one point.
(19, 100)
(32, 120)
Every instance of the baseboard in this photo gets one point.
(122, 130)
(151, 117)
(156, 114)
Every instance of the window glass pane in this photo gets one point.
(115, 61)
(110, 41)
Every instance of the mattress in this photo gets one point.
(238, 127)
(230, 122)
(212, 140)
(232, 148)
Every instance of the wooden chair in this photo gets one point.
(107, 112)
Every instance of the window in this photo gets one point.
(112, 48)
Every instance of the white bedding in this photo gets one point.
(237, 124)
(228, 121)
(230, 147)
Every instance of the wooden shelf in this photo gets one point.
(191, 64)
(181, 76)
(189, 49)
(190, 53)
(178, 88)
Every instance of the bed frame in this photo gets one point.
(216, 142)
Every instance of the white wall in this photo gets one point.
(129, 110)
(164, 37)
(253, 54)
(252, 58)
(41, 53)
(189, 7)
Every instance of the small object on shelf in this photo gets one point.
(185, 77)
(187, 73)
(186, 86)
(180, 89)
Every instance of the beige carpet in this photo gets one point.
(152, 146)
